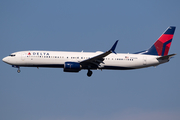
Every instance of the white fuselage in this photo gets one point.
(58, 58)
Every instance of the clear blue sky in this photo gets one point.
(76, 25)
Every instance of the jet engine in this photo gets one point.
(72, 67)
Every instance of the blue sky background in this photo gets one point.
(76, 25)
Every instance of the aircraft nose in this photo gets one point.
(5, 59)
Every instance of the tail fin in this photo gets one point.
(162, 45)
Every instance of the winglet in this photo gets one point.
(113, 47)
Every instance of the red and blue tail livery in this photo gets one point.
(162, 45)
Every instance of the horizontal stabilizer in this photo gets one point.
(167, 57)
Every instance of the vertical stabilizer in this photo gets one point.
(162, 45)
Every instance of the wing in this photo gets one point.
(96, 60)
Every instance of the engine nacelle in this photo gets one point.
(72, 67)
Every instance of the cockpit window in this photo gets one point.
(12, 55)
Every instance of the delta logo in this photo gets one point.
(38, 53)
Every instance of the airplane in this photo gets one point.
(77, 61)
